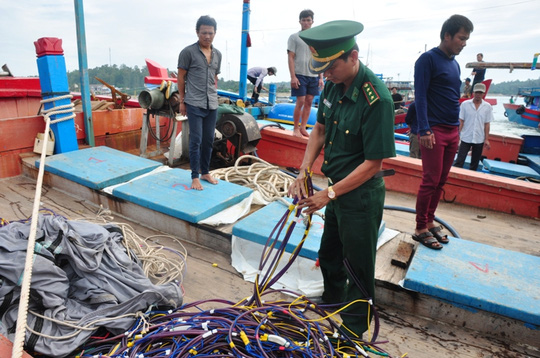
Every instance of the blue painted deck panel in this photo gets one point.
(401, 137)
(533, 160)
(258, 226)
(98, 167)
(531, 144)
(170, 192)
(467, 164)
(510, 169)
(480, 277)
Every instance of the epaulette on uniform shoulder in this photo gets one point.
(369, 91)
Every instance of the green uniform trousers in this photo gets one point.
(351, 230)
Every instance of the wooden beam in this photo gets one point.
(509, 65)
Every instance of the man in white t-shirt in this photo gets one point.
(256, 76)
(475, 116)
(304, 84)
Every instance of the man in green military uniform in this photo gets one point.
(355, 125)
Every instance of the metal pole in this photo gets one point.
(83, 70)
(242, 89)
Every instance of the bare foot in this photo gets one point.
(209, 178)
(304, 132)
(196, 184)
(297, 132)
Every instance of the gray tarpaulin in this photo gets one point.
(82, 273)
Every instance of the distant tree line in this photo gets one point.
(123, 78)
(131, 81)
(511, 88)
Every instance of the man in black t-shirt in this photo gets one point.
(478, 73)
(398, 98)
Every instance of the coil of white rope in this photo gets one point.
(269, 180)
(155, 257)
(20, 331)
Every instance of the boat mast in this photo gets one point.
(242, 89)
(83, 71)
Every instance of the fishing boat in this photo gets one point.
(417, 317)
(420, 326)
(527, 114)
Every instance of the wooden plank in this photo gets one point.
(403, 255)
(508, 65)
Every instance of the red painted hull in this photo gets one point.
(19, 124)
(469, 188)
(120, 129)
(399, 123)
(19, 96)
(475, 189)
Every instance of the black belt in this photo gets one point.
(384, 173)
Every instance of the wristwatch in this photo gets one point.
(331, 193)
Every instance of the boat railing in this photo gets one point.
(529, 91)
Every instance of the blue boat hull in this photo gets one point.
(283, 113)
(525, 116)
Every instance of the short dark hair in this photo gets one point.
(481, 54)
(206, 20)
(393, 88)
(306, 13)
(456, 23)
(346, 55)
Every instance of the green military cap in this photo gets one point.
(329, 41)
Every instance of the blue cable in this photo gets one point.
(439, 220)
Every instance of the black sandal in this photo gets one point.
(443, 239)
(427, 239)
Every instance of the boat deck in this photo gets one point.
(414, 323)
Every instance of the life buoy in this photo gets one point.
(520, 110)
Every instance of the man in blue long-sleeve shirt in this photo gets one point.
(437, 86)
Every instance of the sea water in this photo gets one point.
(501, 125)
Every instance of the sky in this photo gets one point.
(395, 32)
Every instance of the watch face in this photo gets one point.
(331, 194)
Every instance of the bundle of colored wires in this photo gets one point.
(264, 325)
(273, 329)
